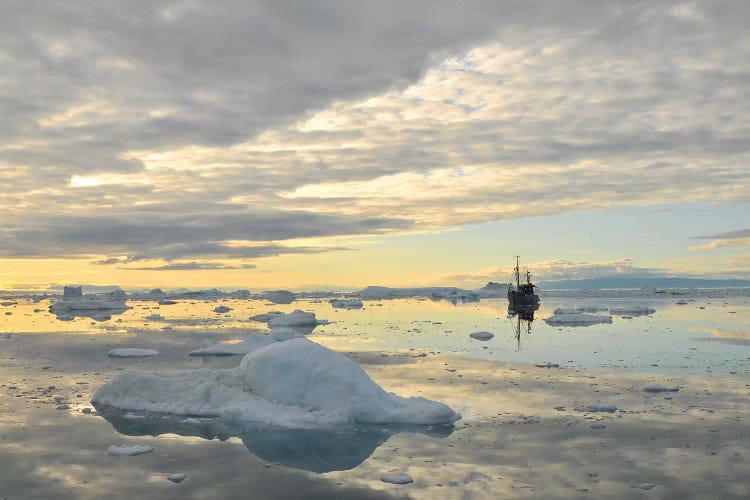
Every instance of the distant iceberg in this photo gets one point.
(99, 306)
(570, 317)
(292, 384)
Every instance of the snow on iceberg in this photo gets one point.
(293, 384)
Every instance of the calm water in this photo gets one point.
(514, 440)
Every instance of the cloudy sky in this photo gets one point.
(345, 143)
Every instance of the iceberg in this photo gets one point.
(346, 303)
(130, 352)
(631, 311)
(295, 318)
(98, 306)
(291, 384)
(280, 296)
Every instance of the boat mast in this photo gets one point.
(518, 274)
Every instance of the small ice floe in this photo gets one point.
(295, 318)
(222, 309)
(482, 335)
(643, 486)
(547, 365)
(177, 477)
(130, 352)
(631, 311)
(397, 479)
(681, 302)
(291, 384)
(660, 388)
(133, 416)
(129, 451)
(166, 302)
(563, 317)
(597, 407)
(346, 303)
(598, 425)
(280, 296)
(154, 317)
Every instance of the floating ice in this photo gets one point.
(397, 479)
(130, 352)
(280, 297)
(177, 477)
(346, 303)
(222, 309)
(598, 407)
(481, 335)
(660, 388)
(293, 384)
(643, 486)
(547, 365)
(73, 299)
(129, 451)
(154, 317)
(598, 426)
(435, 292)
(296, 318)
(575, 319)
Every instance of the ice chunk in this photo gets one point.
(293, 384)
(284, 333)
(279, 297)
(177, 477)
(266, 317)
(547, 365)
(576, 319)
(129, 451)
(660, 388)
(644, 486)
(222, 309)
(482, 335)
(397, 479)
(130, 352)
(598, 407)
(296, 318)
(346, 303)
(154, 317)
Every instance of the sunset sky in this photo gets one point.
(343, 144)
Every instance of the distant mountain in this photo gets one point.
(635, 282)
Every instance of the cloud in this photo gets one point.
(140, 132)
(559, 269)
(738, 238)
(190, 266)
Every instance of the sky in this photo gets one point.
(289, 144)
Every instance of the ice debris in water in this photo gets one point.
(660, 388)
(280, 296)
(643, 486)
(129, 352)
(598, 407)
(346, 303)
(631, 311)
(222, 309)
(295, 318)
(547, 365)
(129, 451)
(154, 317)
(266, 317)
(293, 384)
(177, 477)
(397, 479)
(482, 335)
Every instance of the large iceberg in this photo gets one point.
(570, 317)
(292, 384)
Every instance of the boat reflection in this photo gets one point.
(314, 450)
(523, 316)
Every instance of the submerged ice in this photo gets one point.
(294, 384)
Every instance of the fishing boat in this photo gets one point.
(521, 296)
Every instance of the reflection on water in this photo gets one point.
(314, 450)
(524, 316)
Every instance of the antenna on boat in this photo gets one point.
(517, 273)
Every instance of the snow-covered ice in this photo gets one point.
(294, 384)
(280, 296)
(177, 477)
(295, 318)
(131, 352)
(248, 344)
(73, 299)
(129, 451)
(266, 317)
